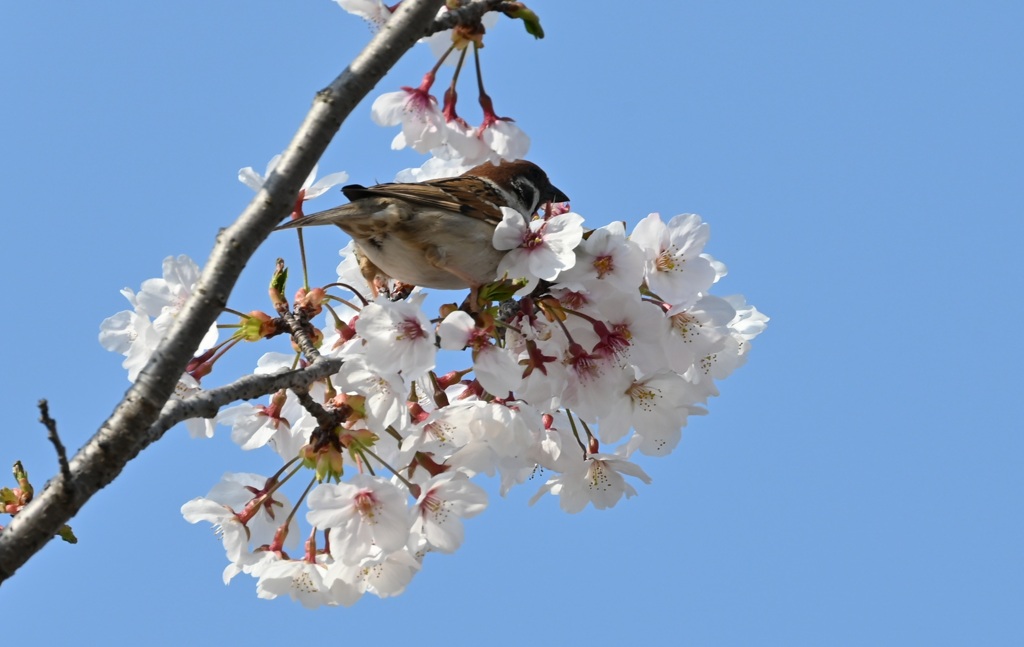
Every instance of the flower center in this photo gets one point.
(685, 325)
(366, 503)
(603, 265)
(410, 329)
(642, 396)
(667, 261)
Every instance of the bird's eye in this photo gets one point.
(527, 193)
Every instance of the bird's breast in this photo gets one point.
(426, 247)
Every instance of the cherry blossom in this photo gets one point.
(130, 333)
(383, 575)
(384, 393)
(415, 109)
(396, 337)
(163, 298)
(744, 326)
(373, 11)
(445, 500)
(362, 514)
(598, 480)
(434, 168)
(311, 188)
(654, 405)
(505, 138)
(696, 332)
(241, 511)
(675, 270)
(606, 257)
(539, 248)
(464, 144)
(305, 581)
(496, 369)
(187, 387)
(283, 423)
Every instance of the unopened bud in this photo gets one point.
(201, 365)
(310, 301)
(277, 285)
(450, 378)
(447, 309)
(416, 412)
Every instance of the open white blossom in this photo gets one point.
(385, 393)
(311, 188)
(655, 406)
(506, 139)
(445, 500)
(365, 514)
(397, 337)
(308, 582)
(496, 368)
(598, 480)
(606, 257)
(382, 574)
(283, 423)
(538, 249)
(423, 125)
(675, 269)
(238, 514)
(373, 11)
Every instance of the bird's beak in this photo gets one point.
(558, 196)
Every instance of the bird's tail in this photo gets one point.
(328, 217)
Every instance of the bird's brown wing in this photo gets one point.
(469, 196)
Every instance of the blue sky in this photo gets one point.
(858, 482)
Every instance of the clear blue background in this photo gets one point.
(859, 482)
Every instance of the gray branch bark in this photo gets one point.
(145, 413)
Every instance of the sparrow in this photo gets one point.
(438, 233)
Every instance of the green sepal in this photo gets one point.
(251, 329)
(7, 496)
(531, 21)
(501, 290)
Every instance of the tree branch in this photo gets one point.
(206, 404)
(299, 335)
(130, 428)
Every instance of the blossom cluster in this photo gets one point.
(427, 127)
(590, 348)
(613, 341)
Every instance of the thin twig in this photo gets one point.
(206, 404)
(51, 433)
(469, 14)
